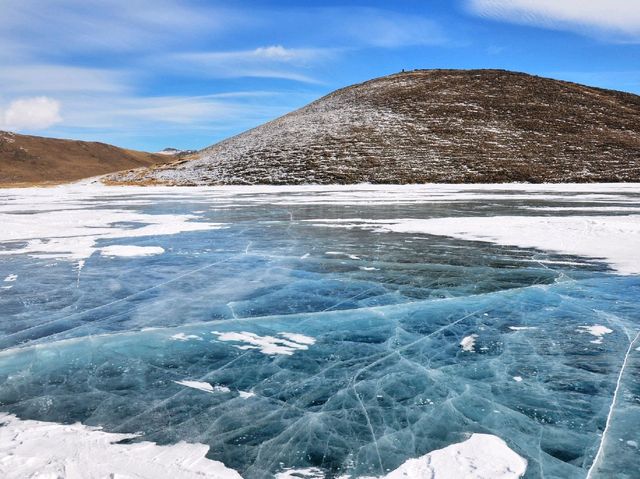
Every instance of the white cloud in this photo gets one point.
(616, 20)
(36, 113)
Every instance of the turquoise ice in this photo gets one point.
(285, 344)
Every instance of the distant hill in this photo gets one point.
(27, 160)
(461, 126)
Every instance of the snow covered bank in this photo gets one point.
(44, 449)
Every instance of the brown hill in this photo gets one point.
(431, 126)
(27, 160)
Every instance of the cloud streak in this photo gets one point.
(73, 26)
(51, 78)
(613, 20)
(273, 61)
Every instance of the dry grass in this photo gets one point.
(36, 161)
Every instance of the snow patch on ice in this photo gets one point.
(45, 449)
(482, 456)
(270, 345)
(340, 253)
(72, 234)
(200, 385)
(596, 330)
(130, 250)
(246, 394)
(305, 473)
(468, 343)
(203, 386)
(299, 338)
(11, 278)
(185, 337)
(517, 379)
(522, 328)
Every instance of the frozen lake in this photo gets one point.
(321, 332)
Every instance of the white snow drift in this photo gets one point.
(49, 450)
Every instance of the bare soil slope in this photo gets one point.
(420, 126)
(27, 160)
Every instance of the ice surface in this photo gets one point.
(246, 338)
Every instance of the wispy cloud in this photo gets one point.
(613, 20)
(273, 61)
(51, 78)
(117, 25)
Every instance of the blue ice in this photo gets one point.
(316, 360)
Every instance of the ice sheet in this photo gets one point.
(246, 337)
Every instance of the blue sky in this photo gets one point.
(148, 74)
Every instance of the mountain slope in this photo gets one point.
(432, 126)
(26, 160)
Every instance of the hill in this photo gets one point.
(460, 126)
(27, 160)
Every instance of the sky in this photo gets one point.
(150, 74)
